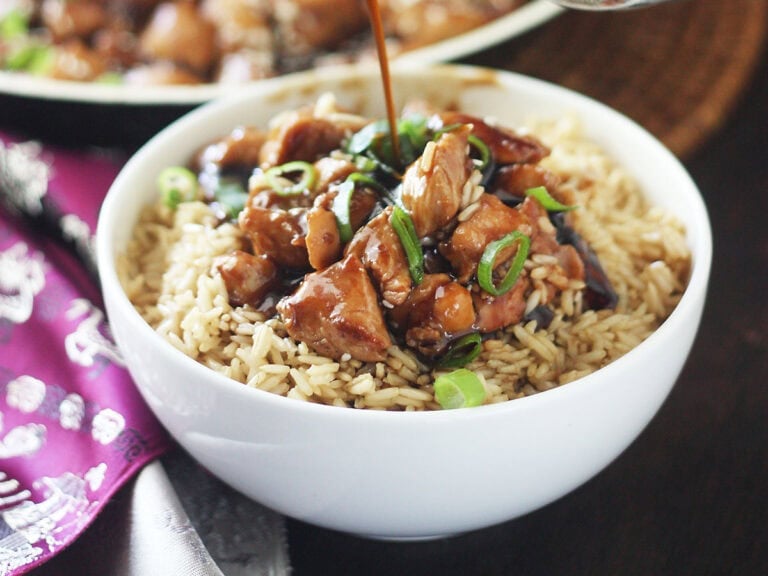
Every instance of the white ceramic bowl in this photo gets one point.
(406, 475)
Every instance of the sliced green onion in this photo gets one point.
(545, 199)
(461, 388)
(177, 184)
(413, 138)
(340, 208)
(485, 267)
(14, 25)
(462, 351)
(277, 178)
(30, 57)
(483, 150)
(365, 164)
(110, 78)
(368, 181)
(232, 197)
(363, 140)
(403, 225)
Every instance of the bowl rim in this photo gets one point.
(695, 290)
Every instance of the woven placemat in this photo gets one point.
(677, 69)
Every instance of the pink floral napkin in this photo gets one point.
(73, 428)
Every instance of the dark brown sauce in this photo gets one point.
(374, 13)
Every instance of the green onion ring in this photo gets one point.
(340, 208)
(177, 184)
(369, 181)
(541, 194)
(405, 230)
(462, 351)
(482, 148)
(306, 182)
(461, 388)
(485, 266)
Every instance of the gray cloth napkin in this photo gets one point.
(185, 522)
(175, 519)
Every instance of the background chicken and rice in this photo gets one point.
(169, 275)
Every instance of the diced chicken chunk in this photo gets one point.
(72, 18)
(506, 146)
(513, 180)
(435, 311)
(323, 239)
(496, 312)
(179, 33)
(336, 311)
(280, 234)
(433, 185)
(378, 247)
(248, 278)
(492, 221)
(301, 136)
(311, 25)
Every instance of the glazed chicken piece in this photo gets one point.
(435, 312)
(280, 234)
(239, 148)
(306, 26)
(492, 221)
(240, 23)
(323, 240)
(510, 182)
(336, 311)
(330, 170)
(72, 18)
(544, 240)
(417, 23)
(248, 277)
(506, 146)
(245, 38)
(378, 247)
(420, 23)
(301, 136)
(179, 33)
(73, 60)
(496, 312)
(432, 186)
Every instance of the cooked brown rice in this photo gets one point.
(168, 275)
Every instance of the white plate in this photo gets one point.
(513, 24)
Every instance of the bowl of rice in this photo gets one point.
(370, 438)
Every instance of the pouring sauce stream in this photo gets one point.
(381, 49)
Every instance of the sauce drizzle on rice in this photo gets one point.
(549, 328)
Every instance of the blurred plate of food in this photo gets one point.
(148, 61)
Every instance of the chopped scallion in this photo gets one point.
(462, 351)
(461, 388)
(492, 250)
(541, 194)
(231, 196)
(405, 230)
(340, 208)
(177, 184)
(277, 177)
(368, 181)
(482, 149)
(14, 24)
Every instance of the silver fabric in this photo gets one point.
(184, 522)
